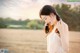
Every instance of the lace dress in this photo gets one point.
(54, 43)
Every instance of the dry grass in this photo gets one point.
(32, 41)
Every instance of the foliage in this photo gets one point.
(68, 14)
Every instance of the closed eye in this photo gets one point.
(44, 18)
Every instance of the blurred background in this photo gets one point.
(21, 29)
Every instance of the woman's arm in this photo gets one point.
(64, 35)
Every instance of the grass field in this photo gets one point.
(32, 41)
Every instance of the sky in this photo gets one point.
(26, 9)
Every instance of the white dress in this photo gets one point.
(54, 44)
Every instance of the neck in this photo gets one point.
(55, 23)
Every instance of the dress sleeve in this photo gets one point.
(65, 37)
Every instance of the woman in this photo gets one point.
(56, 30)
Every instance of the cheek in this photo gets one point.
(52, 19)
(47, 21)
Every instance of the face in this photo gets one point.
(51, 19)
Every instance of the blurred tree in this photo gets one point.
(70, 15)
(34, 25)
(2, 23)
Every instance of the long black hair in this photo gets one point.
(47, 10)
